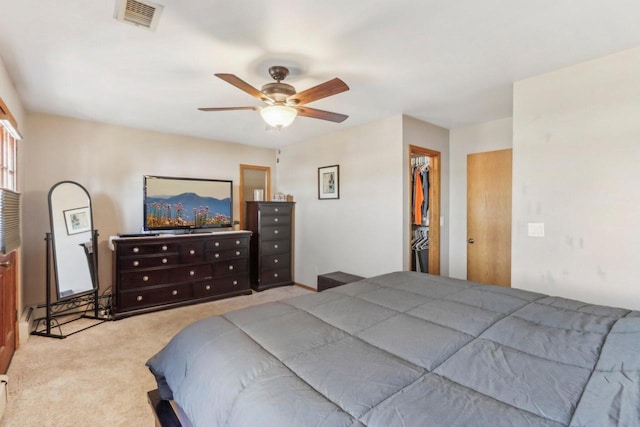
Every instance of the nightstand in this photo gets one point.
(337, 278)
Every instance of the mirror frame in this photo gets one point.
(90, 251)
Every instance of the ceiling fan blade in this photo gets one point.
(320, 114)
(228, 108)
(332, 87)
(244, 86)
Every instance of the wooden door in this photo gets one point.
(8, 316)
(489, 217)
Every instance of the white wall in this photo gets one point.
(479, 138)
(110, 162)
(577, 170)
(423, 134)
(362, 232)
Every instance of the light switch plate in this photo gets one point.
(535, 229)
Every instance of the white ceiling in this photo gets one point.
(448, 62)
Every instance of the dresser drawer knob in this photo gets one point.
(237, 242)
(164, 260)
(164, 248)
(192, 252)
(235, 282)
(216, 256)
(275, 220)
(275, 261)
(216, 244)
(276, 232)
(192, 273)
(275, 274)
(174, 292)
(136, 263)
(139, 298)
(277, 209)
(136, 250)
(231, 267)
(275, 246)
(208, 287)
(145, 278)
(238, 253)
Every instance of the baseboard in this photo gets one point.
(306, 287)
(26, 324)
(4, 398)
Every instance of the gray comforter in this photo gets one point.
(408, 349)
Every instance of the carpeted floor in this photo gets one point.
(98, 377)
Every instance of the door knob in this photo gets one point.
(471, 240)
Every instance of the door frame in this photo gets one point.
(241, 195)
(434, 205)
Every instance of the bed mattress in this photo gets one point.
(408, 349)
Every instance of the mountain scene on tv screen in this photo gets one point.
(187, 210)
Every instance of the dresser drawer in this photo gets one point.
(223, 254)
(147, 248)
(271, 247)
(148, 297)
(275, 276)
(137, 263)
(230, 267)
(273, 209)
(223, 285)
(275, 220)
(236, 242)
(273, 262)
(141, 279)
(192, 251)
(273, 232)
(190, 273)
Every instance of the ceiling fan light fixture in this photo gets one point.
(278, 116)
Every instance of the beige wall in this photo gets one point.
(361, 233)
(576, 169)
(483, 137)
(110, 162)
(365, 232)
(426, 135)
(9, 95)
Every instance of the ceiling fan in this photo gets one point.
(282, 101)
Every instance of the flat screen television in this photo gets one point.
(187, 203)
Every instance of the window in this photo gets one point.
(9, 137)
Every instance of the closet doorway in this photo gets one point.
(253, 178)
(424, 212)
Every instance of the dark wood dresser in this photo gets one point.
(153, 273)
(271, 244)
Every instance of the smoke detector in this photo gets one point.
(143, 14)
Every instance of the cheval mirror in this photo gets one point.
(73, 241)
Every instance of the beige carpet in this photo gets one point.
(98, 377)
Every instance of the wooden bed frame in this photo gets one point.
(162, 410)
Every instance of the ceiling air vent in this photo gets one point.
(142, 14)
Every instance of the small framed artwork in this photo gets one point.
(329, 182)
(77, 220)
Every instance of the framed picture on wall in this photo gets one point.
(329, 182)
(77, 220)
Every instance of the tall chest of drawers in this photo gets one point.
(152, 273)
(271, 224)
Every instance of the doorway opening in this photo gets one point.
(424, 212)
(254, 180)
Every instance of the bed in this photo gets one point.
(407, 349)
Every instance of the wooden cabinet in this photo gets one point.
(152, 273)
(271, 243)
